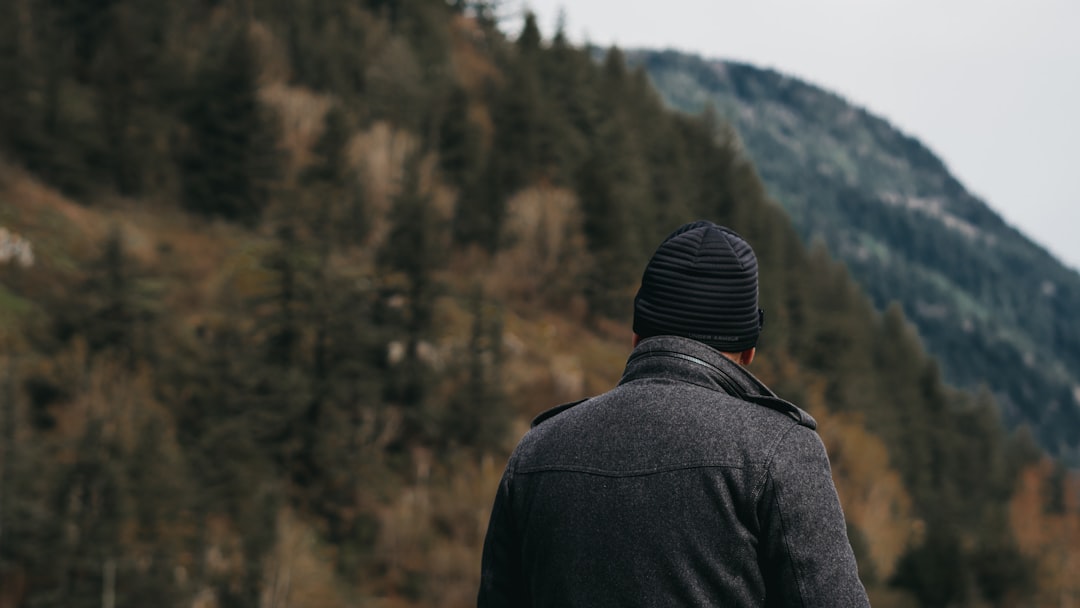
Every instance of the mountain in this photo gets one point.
(994, 307)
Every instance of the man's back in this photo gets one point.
(670, 490)
(689, 484)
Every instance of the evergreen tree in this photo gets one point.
(613, 185)
(394, 85)
(462, 164)
(412, 253)
(126, 70)
(112, 321)
(14, 104)
(55, 140)
(935, 572)
(345, 402)
(458, 146)
(338, 196)
(568, 79)
(479, 213)
(116, 305)
(477, 416)
(327, 43)
(226, 431)
(229, 157)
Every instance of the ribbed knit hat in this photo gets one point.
(702, 283)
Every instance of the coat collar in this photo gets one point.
(691, 361)
(687, 360)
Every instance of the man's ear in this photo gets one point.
(746, 357)
(635, 340)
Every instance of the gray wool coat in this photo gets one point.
(688, 484)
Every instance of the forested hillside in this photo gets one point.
(995, 308)
(281, 284)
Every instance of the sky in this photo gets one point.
(991, 86)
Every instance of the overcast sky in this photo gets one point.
(991, 86)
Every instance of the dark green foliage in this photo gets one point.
(612, 232)
(408, 260)
(1002, 573)
(337, 196)
(118, 304)
(326, 42)
(614, 185)
(82, 516)
(128, 58)
(521, 153)
(941, 573)
(412, 250)
(476, 415)
(229, 157)
(282, 308)
(15, 74)
(460, 146)
(110, 305)
(346, 382)
(935, 572)
(82, 91)
(395, 79)
(229, 435)
(478, 217)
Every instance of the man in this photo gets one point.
(688, 484)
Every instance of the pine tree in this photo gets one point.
(460, 145)
(394, 85)
(215, 389)
(327, 44)
(126, 71)
(525, 134)
(614, 186)
(229, 158)
(412, 253)
(116, 306)
(14, 104)
(477, 416)
(345, 404)
(338, 204)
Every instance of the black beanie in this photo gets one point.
(702, 283)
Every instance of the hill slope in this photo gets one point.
(993, 306)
